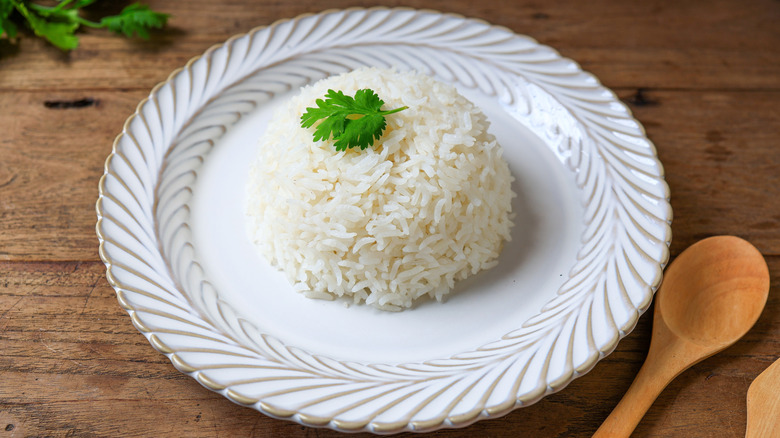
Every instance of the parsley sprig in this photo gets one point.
(58, 23)
(352, 121)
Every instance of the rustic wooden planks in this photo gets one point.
(72, 362)
(51, 162)
(660, 44)
(702, 76)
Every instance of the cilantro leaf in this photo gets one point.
(6, 7)
(351, 121)
(6, 25)
(59, 31)
(135, 19)
(83, 3)
(58, 24)
(362, 132)
(57, 13)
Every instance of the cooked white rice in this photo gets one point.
(427, 205)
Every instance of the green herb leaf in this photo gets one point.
(7, 26)
(351, 121)
(58, 24)
(83, 3)
(135, 19)
(56, 14)
(60, 33)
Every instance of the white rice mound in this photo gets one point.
(427, 205)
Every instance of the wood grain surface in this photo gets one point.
(703, 77)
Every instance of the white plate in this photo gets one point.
(590, 241)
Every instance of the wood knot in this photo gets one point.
(67, 104)
(714, 136)
(640, 99)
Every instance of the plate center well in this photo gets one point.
(545, 240)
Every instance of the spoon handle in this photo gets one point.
(763, 403)
(648, 384)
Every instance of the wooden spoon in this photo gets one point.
(763, 403)
(710, 297)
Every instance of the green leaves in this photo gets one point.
(58, 24)
(351, 121)
(135, 19)
(7, 26)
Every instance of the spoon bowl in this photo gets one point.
(714, 291)
(712, 294)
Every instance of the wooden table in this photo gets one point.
(702, 76)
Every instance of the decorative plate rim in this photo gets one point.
(157, 338)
